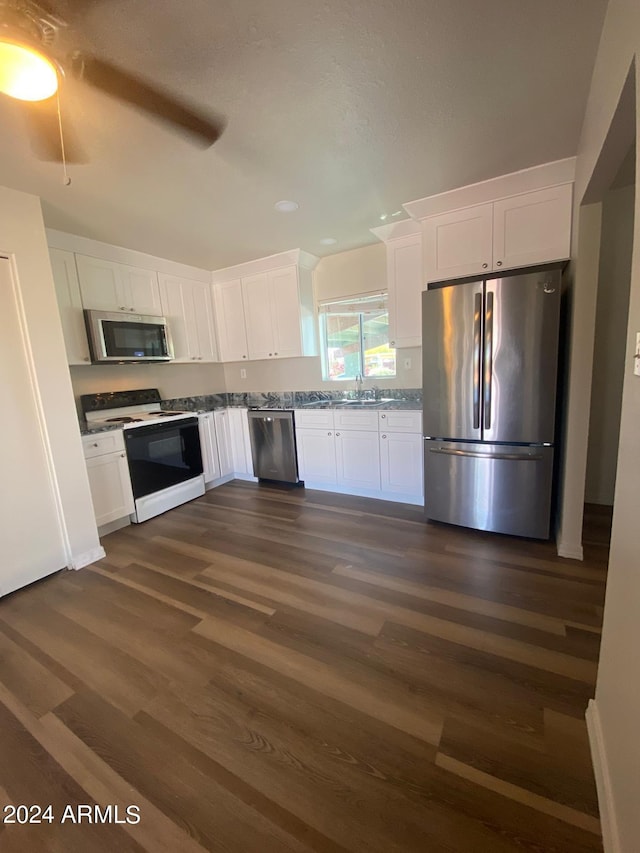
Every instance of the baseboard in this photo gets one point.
(87, 558)
(610, 836)
(571, 551)
(112, 526)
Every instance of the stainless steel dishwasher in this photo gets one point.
(273, 445)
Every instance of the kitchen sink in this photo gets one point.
(362, 404)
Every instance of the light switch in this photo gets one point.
(243, 373)
(636, 358)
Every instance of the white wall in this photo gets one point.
(22, 234)
(336, 276)
(172, 380)
(616, 711)
(609, 349)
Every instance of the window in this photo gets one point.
(355, 338)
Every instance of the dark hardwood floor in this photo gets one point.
(269, 669)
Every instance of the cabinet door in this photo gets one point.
(209, 445)
(459, 243)
(65, 276)
(240, 443)
(202, 321)
(316, 455)
(358, 459)
(405, 285)
(229, 313)
(223, 438)
(257, 312)
(285, 312)
(401, 466)
(101, 284)
(110, 487)
(532, 228)
(173, 296)
(142, 290)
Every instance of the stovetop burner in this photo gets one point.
(123, 420)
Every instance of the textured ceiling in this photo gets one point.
(349, 108)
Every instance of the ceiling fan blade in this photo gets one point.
(135, 91)
(44, 131)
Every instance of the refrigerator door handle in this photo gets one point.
(488, 359)
(477, 320)
(519, 457)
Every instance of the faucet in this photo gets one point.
(359, 379)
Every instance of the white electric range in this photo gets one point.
(163, 447)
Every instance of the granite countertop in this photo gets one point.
(357, 406)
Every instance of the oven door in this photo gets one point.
(163, 455)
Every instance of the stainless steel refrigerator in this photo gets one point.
(490, 355)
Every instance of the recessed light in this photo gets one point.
(397, 213)
(328, 241)
(383, 216)
(285, 206)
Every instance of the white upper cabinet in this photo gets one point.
(458, 243)
(274, 306)
(405, 286)
(257, 314)
(65, 276)
(519, 231)
(108, 286)
(188, 307)
(532, 228)
(229, 311)
(265, 308)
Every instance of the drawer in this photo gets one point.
(348, 419)
(102, 442)
(314, 418)
(398, 421)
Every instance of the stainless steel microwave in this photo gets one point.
(116, 337)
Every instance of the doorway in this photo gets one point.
(615, 191)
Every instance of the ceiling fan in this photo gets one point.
(36, 55)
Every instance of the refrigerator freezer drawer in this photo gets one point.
(504, 489)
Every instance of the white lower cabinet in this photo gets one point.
(316, 455)
(376, 454)
(223, 438)
(109, 479)
(358, 459)
(209, 446)
(240, 443)
(401, 467)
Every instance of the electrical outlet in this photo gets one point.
(636, 358)
(407, 364)
(243, 373)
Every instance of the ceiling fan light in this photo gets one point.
(25, 73)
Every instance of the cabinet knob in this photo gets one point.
(337, 433)
(392, 343)
(244, 356)
(275, 353)
(498, 263)
(383, 416)
(270, 354)
(328, 433)
(132, 309)
(123, 455)
(484, 266)
(384, 436)
(95, 444)
(122, 307)
(86, 358)
(199, 358)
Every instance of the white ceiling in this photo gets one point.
(349, 108)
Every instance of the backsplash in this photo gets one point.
(287, 399)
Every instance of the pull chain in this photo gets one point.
(66, 178)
